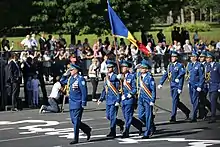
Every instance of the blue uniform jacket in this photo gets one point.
(77, 91)
(174, 71)
(129, 87)
(149, 82)
(214, 82)
(109, 93)
(196, 74)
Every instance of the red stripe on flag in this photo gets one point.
(143, 48)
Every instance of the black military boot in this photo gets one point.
(125, 134)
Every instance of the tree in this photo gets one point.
(15, 13)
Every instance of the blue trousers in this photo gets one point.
(53, 106)
(35, 97)
(111, 114)
(194, 97)
(128, 111)
(213, 98)
(145, 113)
(177, 104)
(76, 116)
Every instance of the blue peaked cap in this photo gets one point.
(110, 63)
(194, 54)
(125, 63)
(203, 53)
(210, 54)
(145, 64)
(74, 66)
(174, 54)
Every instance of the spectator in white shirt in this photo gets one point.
(134, 54)
(26, 43)
(53, 98)
(93, 75)
(33, 41)
(158, 57)
(103, 69)
(218, 45)
(187, 48)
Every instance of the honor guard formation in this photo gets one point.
(134, 89)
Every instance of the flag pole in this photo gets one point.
(117, 62)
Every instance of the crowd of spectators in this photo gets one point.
(49, 57)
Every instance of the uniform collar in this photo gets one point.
(212, 64)
(174, 63)
(126, 75)
(110, 74)
(143, 75)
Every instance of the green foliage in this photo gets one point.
(15, 13)
(198, 26)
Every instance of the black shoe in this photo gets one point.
(193, 120)
(73, 142)
(111, 135)
(145, 137)
(140, 132)
(153, 131)
(187, 116)
(125, 135)
(121, 126)
(172, 120)
(89, 134)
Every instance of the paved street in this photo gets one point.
(28, 128)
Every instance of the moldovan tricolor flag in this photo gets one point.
(120, 30)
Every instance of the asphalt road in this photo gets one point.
(28, 128)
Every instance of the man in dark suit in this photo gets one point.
(43, 43)
(2, 83)
(14, 74)
(28, 71)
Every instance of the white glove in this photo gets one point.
(151, 104)
(199, 89)
(219, 90)
(179, 91)
(129, 95)
(117, 104)
(159, 86)
(123, 97)
(177, 80)
(99, 102)
(188, 85)
(119, 76)
(66, 73)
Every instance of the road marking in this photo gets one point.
(22, 138)
(84, 143)
(4, 129)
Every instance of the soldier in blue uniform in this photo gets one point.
(175, 74)
(146, 98)
(195, 73)
(111, 94)
(129, 91)
(214, 84)
(203, 101)
(77, 91)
